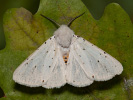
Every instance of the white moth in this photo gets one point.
(66, 58)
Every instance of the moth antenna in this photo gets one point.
(51, 20)
(74, 19)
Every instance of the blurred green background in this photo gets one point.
(31, 5)
(96, 8)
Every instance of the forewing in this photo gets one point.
(75, 72)
(57, 77)
(95, 63)
(38, 68)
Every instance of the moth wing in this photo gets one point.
(57, 77)
(75, 73)
(88, 62)
(38, 68)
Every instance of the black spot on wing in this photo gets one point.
(83, 48)
(106, 68)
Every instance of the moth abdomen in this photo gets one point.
(65, 58)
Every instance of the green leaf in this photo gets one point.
(26, 32)
(31, 5)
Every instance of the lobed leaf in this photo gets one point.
(26, 32)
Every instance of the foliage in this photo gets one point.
(25, 32)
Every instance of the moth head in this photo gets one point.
(63, 34)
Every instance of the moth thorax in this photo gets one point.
(63, 36)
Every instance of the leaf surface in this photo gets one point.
(25, 32)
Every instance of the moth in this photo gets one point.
(66, 58)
